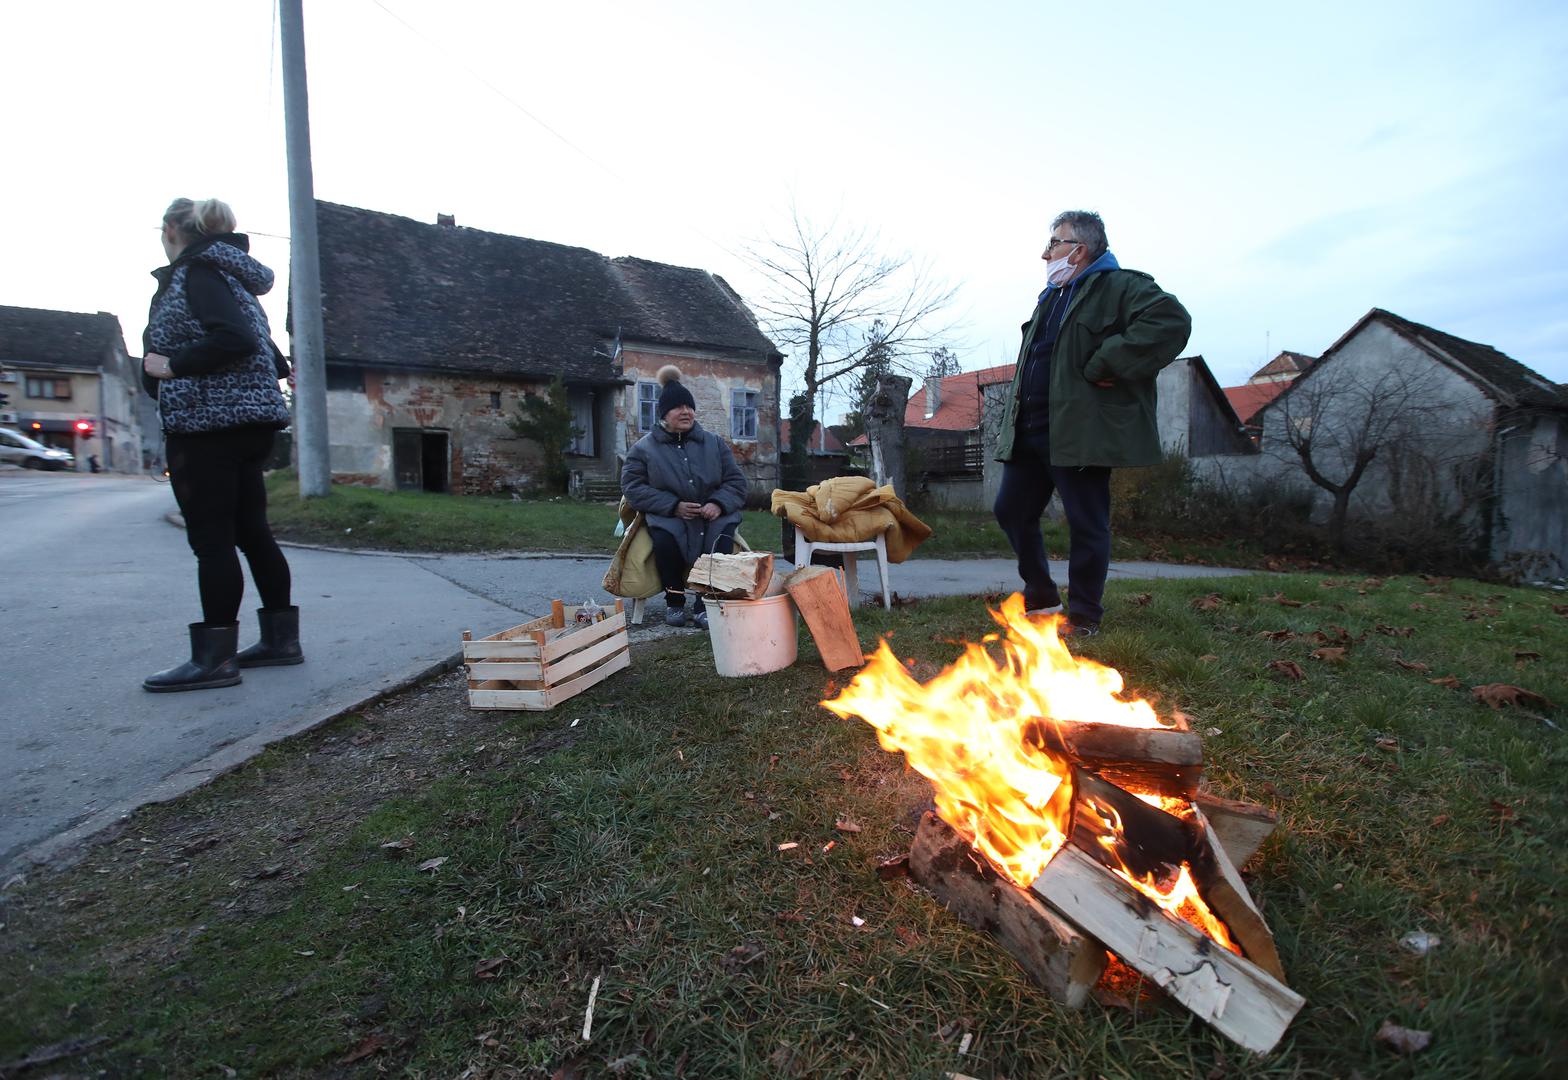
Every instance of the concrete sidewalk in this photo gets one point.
(83, 755)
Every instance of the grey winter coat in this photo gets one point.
(206, 318)
(663, 469)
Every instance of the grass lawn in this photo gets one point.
(357, 517)
(261, 926)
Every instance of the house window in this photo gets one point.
(743, 414)
(340, 377)
(495, 399)
(49, 389)
(647, 405)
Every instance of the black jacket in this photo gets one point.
(206, 318)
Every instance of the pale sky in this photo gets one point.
(1281, 171)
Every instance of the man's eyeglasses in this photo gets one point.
(1054, 242)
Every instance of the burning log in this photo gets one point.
(1241, 827)
(1164, 761)
(1227, 896)
(1063, 961)
(745, 576)
(1240, 999)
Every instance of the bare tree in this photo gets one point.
(840, 304)
(944, 362)
(1344, 416)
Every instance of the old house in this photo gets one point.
(1455, 436)
(1266, 384)
(1195, 416)
(69, 383)
(434, 333)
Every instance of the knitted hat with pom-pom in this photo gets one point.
(673, 394)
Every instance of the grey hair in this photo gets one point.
(1087, 229)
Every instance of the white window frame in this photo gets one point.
(653, 405)
(747, 407)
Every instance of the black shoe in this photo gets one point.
(699, 619)
(211, 664)
(1069, 629)
(279, 644)
(675, 616)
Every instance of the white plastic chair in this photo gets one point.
(851, 553)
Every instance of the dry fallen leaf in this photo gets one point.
(1210, 602)
(1404, 1040)
(1142, 599)
(1329, 655)
(1499, 694)
(1526, 654)
(1561, 609)
(1411, 665)
(1386, 743)
(1208, 658)
(486, 969)
(742, 955)
(1394, 631)
(1440, 819)
(396, 846)
(1450, 681)
(1277, 635)
(434, 864)
(844, 825)
(1284, 601)
(369, 1045)
(1288, 668)
(1334, 635)
(1417, 607)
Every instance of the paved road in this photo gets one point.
(96, 588)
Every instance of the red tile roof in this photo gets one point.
(958, 400)
(1248, 398)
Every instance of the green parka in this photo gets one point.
(1120, 326)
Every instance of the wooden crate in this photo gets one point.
(540, 664)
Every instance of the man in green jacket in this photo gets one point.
(1082, 403)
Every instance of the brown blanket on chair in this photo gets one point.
(851, 509)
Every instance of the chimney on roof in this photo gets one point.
(449, 220)
(933, 395)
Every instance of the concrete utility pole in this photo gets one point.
(310, 367)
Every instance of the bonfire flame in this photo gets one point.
(967, 732)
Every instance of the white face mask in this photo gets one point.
(1059, 271)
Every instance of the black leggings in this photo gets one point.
(672, 564)
(217, 480)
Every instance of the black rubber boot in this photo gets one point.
(211, 664)
(279, 642)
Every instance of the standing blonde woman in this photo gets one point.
(210, 362)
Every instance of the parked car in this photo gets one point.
(18, 449)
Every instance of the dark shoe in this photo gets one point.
(211, 664)
(1069, 629)
(699, 619)
(279, 642)
(1042, 611)
(676, 616)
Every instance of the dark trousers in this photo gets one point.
(217, 480)
(673, 566)
(1027, 483)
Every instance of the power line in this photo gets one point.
(514, 103)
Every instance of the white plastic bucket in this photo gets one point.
(752, 637)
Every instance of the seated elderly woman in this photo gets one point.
(689, 489)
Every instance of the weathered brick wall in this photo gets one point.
(486, 456)
(710, 378)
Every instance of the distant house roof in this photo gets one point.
(1286, 366)
(40, 337)
(957, 405)
(822, 441)
(1497, 375)
(400, 293)
(957, 400)
(1248, 398)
